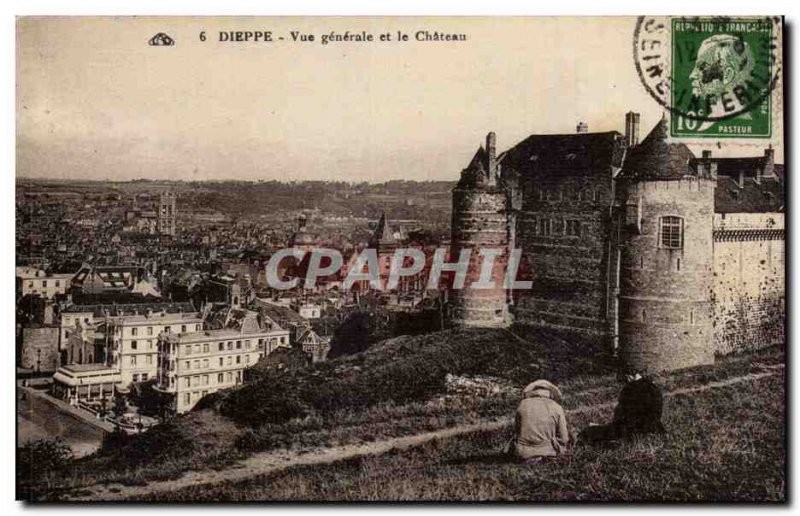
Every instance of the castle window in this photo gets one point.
(545, 226)
(573, 228)
(672, 232)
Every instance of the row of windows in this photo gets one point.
(202, 380)
(549, 227)
(670, 229)
(545, 194)
(196, 395)
(140, 377)
(223, 361)
(149, 329)
(135, 344)
(44, 284)
(144, 360)
(230, 345)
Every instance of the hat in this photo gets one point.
(555, 393)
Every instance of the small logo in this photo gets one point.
(161, 40)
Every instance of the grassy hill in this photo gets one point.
(402, 386)
(396, 387)
(723, 445)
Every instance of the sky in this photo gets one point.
(95, 101)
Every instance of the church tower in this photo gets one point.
(666, 218)
(480, 222)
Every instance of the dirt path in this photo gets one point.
(278, 460)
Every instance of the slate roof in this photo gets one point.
(112, 277)
(237, 319)
(582, 153)
(129, 308)
(279, 314)
(732, 166)
(657, 158)
(764, 196)
(475, 173)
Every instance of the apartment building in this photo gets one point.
(193, 365)
(133, 337)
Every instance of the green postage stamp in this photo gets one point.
(718, 77)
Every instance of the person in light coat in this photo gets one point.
(540, 425)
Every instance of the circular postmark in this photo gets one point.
(709, 70)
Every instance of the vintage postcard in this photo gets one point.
(400, 259)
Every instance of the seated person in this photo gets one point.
(639, 409)
(540, 426)
(638, 412)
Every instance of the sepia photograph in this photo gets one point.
(528, 259)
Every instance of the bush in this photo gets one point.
(42, 457)
(269, 400)
(397, 370)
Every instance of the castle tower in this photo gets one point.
(480, 222)
(167, 213)
(666, 270)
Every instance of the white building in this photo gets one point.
(193, 365)
(310, 311)
(31, 280)
(85, 382)
(133, 339)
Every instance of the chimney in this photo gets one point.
(583, 127)
(631, 129)
(491, 155)
(769, 162)
(709, 167)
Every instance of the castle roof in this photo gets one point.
(475, 173)
(657, 158)
(574, 153)
(751, 196)
(750, 167)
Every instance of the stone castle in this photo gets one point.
(665, 257)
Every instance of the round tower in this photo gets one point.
(480, 223)
(666, 270)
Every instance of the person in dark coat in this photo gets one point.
(639, 409)
(638, 412)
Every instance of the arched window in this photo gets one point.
(672, 232)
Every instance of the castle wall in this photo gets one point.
(665, 310)
(749, 281)
(480, 222)
(568, 270)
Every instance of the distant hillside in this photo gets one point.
(420, 200)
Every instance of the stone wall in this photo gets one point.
(568, 261)
(40, 344)
(665, 311)
(480, 222)
(749, 281)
